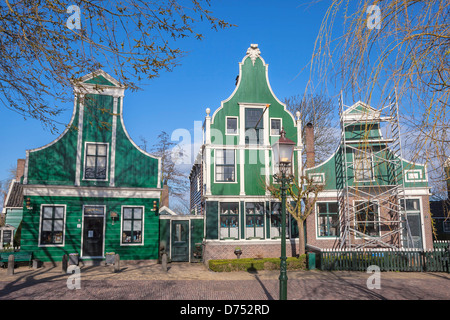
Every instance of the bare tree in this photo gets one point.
(5, 185)
(170, 154)
(392, 46)
(301, 199)
(321, 112)
(47, 45)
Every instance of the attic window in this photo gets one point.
(96, 161)
(362, 164)
(254, 126)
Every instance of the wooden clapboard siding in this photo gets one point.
(56, 170)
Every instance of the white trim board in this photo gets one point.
(99, 192)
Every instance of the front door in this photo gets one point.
(180, 240)
(93, 232)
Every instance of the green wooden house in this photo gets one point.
(234, 166)
(92, 190)
(372, 197)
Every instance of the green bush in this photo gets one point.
(250, 264)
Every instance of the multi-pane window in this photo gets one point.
(132, 218)
(275, 127)
(225, 165)
(52, 225)
(254, 219)
(96, 161)
(254, 126)
(366, 218)
(232, 127)
(414, 221)
(275, 220)
(362, 164)
(328, 219)
(229, 220)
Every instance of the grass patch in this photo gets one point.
(250, 264)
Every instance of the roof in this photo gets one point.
(14, 198)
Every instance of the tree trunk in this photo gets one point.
(301, 237)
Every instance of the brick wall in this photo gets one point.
(314, 240)
(250, 249)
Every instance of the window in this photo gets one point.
(362, 164)
(52, 225)
(232, 125)
(225, 165)
(254, 219)
(327, 219)
(275, 127)
(132, 218)
(254, 126)
(275, 220)
(229, 220)
(366, 218)
(414, 222)
(446, 226)
(96, 160)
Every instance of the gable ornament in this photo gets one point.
(253, 52)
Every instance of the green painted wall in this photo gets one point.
(56, 164)
(212, 220)
(73, 234)
(253, 88)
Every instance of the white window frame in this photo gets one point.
(41, 245)
(321, 175)
(121, 226)
(417, 171)
(238, 220)
(281, 126)
(316, 211)
(263, 216)
(107, 161)
(215, 165)
(371, 164)
(226, 125)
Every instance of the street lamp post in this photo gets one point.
(283, 150)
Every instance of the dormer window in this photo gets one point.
(96, 161)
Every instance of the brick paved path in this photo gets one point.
(194, 282)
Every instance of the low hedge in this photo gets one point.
(250, 264)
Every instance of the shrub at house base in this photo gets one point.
(249, 264)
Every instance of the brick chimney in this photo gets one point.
(165, 196)
(20, 169)
(309, 141)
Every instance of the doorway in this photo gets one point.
(93, 232)
(180, 240)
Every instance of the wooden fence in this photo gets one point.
(436, 260)
(441, 244)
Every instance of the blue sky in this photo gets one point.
(285, 32)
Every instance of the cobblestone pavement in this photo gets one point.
(184, 281)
